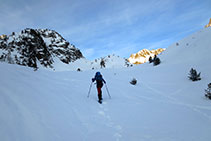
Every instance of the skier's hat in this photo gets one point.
(98, 73)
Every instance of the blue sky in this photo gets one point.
(102, 27)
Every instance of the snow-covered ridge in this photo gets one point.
(37, 48)
(111, 61)
(108, 62)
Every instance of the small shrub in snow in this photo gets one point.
(150, 59)
(156, 61)
(127, 63)
(208, 91)
(193, 75)
(133, 81)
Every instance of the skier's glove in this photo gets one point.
(93, 79)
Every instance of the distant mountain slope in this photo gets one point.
(143, 55)
(37, 48)
(110, 61)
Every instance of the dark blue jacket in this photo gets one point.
(99, 79)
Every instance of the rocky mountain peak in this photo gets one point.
(209, 24)
(37, 47)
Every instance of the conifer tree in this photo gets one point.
(208, 91)
(156, 61)
(150, 59)
(102, 63)
(193, 75)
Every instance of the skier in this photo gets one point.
(99, 79)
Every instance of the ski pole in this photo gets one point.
(89, 90)
(108, 91)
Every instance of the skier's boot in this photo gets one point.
(100, 98)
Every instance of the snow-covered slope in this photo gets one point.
(110, 61)
(193, 49)
(163, 106)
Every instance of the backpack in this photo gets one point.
(98, 77)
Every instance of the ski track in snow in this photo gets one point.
(117, 128)
(172, 100)
(103, 112)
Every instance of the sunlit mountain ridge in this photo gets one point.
(144, 55)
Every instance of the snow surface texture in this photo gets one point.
(164, 105)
